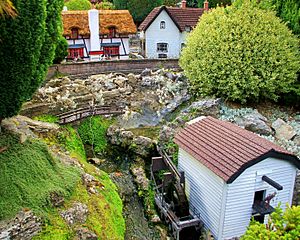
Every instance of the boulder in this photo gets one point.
(140, 177)
(85, 234)
(171, 76)
(283, 130)
(206, 107)
(147, 81)
(109, 85)
(57, 199)
(146, 72)
(166, 134)
(142, 146)
(254, 122)
(23, 227)
(132, 79)
(91, 183)
(118, 136)
(78, 213)
(120, 81)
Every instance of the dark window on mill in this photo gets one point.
(162, 25)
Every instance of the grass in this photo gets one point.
(150, 132)
(105, 209)
(28, 174)
(47, 118)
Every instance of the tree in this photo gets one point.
(281, 226)
(78, 5)
(7, 8)
(61, 50)
(105, 5)
(171, 3)
(27, 50)
(139, 9)
(241, 54)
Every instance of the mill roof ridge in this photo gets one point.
(227, 149)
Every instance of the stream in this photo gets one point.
(137, 225)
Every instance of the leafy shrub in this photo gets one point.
(93, 132)
(105, 5)
(61, 50)
(281, 226)
(78, 5)
(241, 54)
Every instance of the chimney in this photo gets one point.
(205, 6)
(65, 8)
(94, 29)
(183, 4)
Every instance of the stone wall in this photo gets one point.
(89, 68)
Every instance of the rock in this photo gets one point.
(283, 130)
(140, 177)
(109, 85)
(166, 134)
(206, 107)
(118, 136)
(297, 140)
(155, 219)
(85, 234)
(254, 122)
(142, 146)
(132, 79)
(91, 183)
(76, 214)
(111, 94)
(170, 75)
(146, 72)
(95, 161)
(120, 81)
(147, 81)
(57, 199)
(23, 227)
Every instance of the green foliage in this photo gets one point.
(172, 148)
(61, 50)
(26, 50)
(170, 2)
(241, 54)
(105, 5)
(47, 118)
(93, 132)
(139, 9)
(28, 174)
(285, 226)
(78, 5)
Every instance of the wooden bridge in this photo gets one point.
(81, 113)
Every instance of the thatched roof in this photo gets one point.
(120, 19)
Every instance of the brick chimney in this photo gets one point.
(205, 6)
(183, 4)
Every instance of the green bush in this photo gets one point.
(241, 54)
(61, 50)
(93, 132)
(105, 5)
(281, 226)
(78, 5)
(47, 118)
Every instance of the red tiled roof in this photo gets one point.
(227, 149)
(182, 17)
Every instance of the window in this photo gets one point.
(74, 33)
(182, 45)
(162, 47)
(111, 50)
(162, 25)
(187, 28)
(162, 55)
(75, 53)
(112, 32)
(259, 200)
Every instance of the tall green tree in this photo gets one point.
(139, 9)
(26, 51)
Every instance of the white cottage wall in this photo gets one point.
(170, 35)
(240, 193)
(205, 190)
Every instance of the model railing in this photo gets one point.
(81, 113)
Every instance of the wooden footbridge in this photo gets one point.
(81, 113)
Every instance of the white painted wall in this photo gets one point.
(170, 35)
(94, 29)
(240, 193)
(226, 209)
(204, 189)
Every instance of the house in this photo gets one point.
(163, 32)
(93, 34)
(233, 174)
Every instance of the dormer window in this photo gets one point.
(162, 25)
(112, 32)
(187, 28)
(74, 33)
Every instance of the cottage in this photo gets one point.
(233, 174)
(164, 31)
(94, 34)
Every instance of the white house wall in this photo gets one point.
(170, 35)
(240, 193)
(204, 190)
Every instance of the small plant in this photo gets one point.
(47, 118)
(93, 132)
